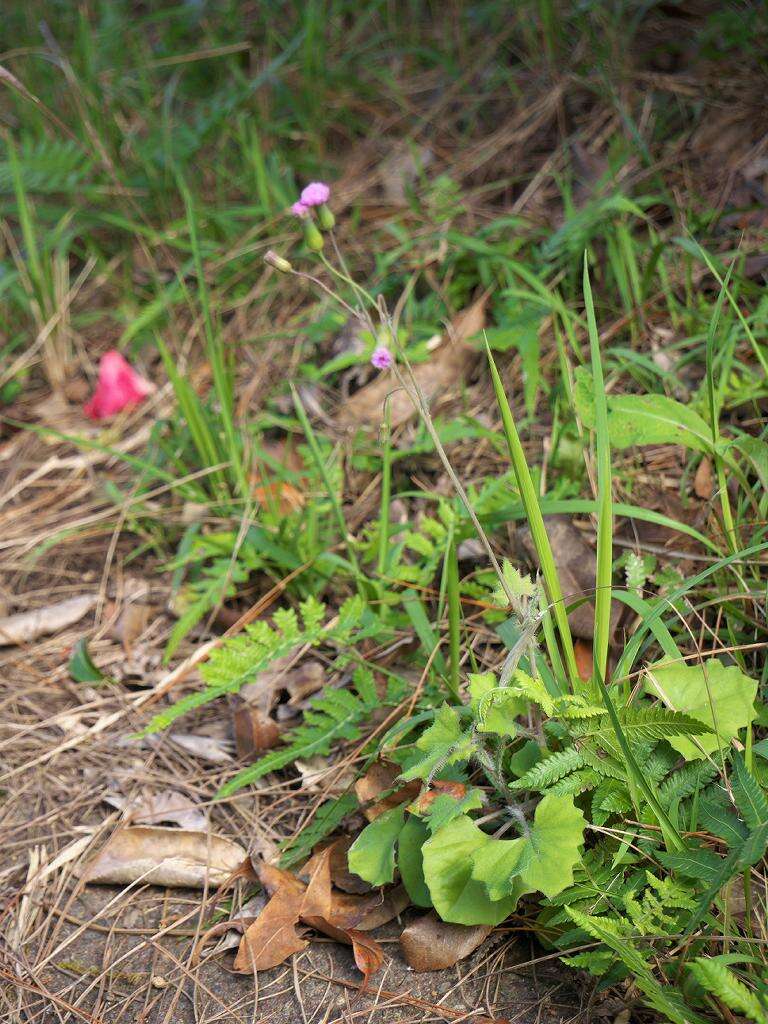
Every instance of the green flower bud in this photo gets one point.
(312, 236)
(325, 217)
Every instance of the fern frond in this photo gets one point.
(577, 782)
(642, 723)
(334, 717)
(662, 998)
(243, 657)
(748, 794)
(717, 980)
(607, 766)
(685, 782)
(546, 772)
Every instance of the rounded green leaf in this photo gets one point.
(410, 862)
(459, 898)
(372, 855)
(542, 861)
(719, 695)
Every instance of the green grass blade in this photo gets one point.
(713, 403)
(454, 616)
(222, 381)
(604, 573)
(194, 416)
(672, 838)
(382, 559)
(536, 521)
(322, 469)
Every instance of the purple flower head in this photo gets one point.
(315, 194)
(299, 209)
(382, 358)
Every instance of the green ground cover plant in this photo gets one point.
(609, 796)
(635, 800)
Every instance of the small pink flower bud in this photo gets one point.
(315, 194)
(300, 209)
(119, 386)
(382, 358)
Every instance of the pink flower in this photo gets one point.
(315, 194)
(118, 387)
(299, 209)
(382, 358)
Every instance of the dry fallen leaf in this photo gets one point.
(167, 805)
(132, 622)
(27, 626)
(254, 731)
(390, 905)
(317, 775)
(368, 954)
(380, 778)
(582, 650)
(444, 371)
(439, 787)
(341, 876)
(207, 748)
(430, 944)
(165, 856)
(703, 484)
(273, 937)
(300, 680)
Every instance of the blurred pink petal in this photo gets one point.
(382, 358)
(118, 387)
(299, 209)
(315, 194)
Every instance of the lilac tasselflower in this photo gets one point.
(382, 358)
(315, 194)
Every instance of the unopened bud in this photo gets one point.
(325, 217)
(312, 236)
(276, 261)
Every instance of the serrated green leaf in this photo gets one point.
(443, 743)
(497, 865)
(715, 978)
(495, 707)
(445, 808)
(533, 689)
(702, 864)
(519, 585)
(542, 861)
(719, 819)
(748, 794)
